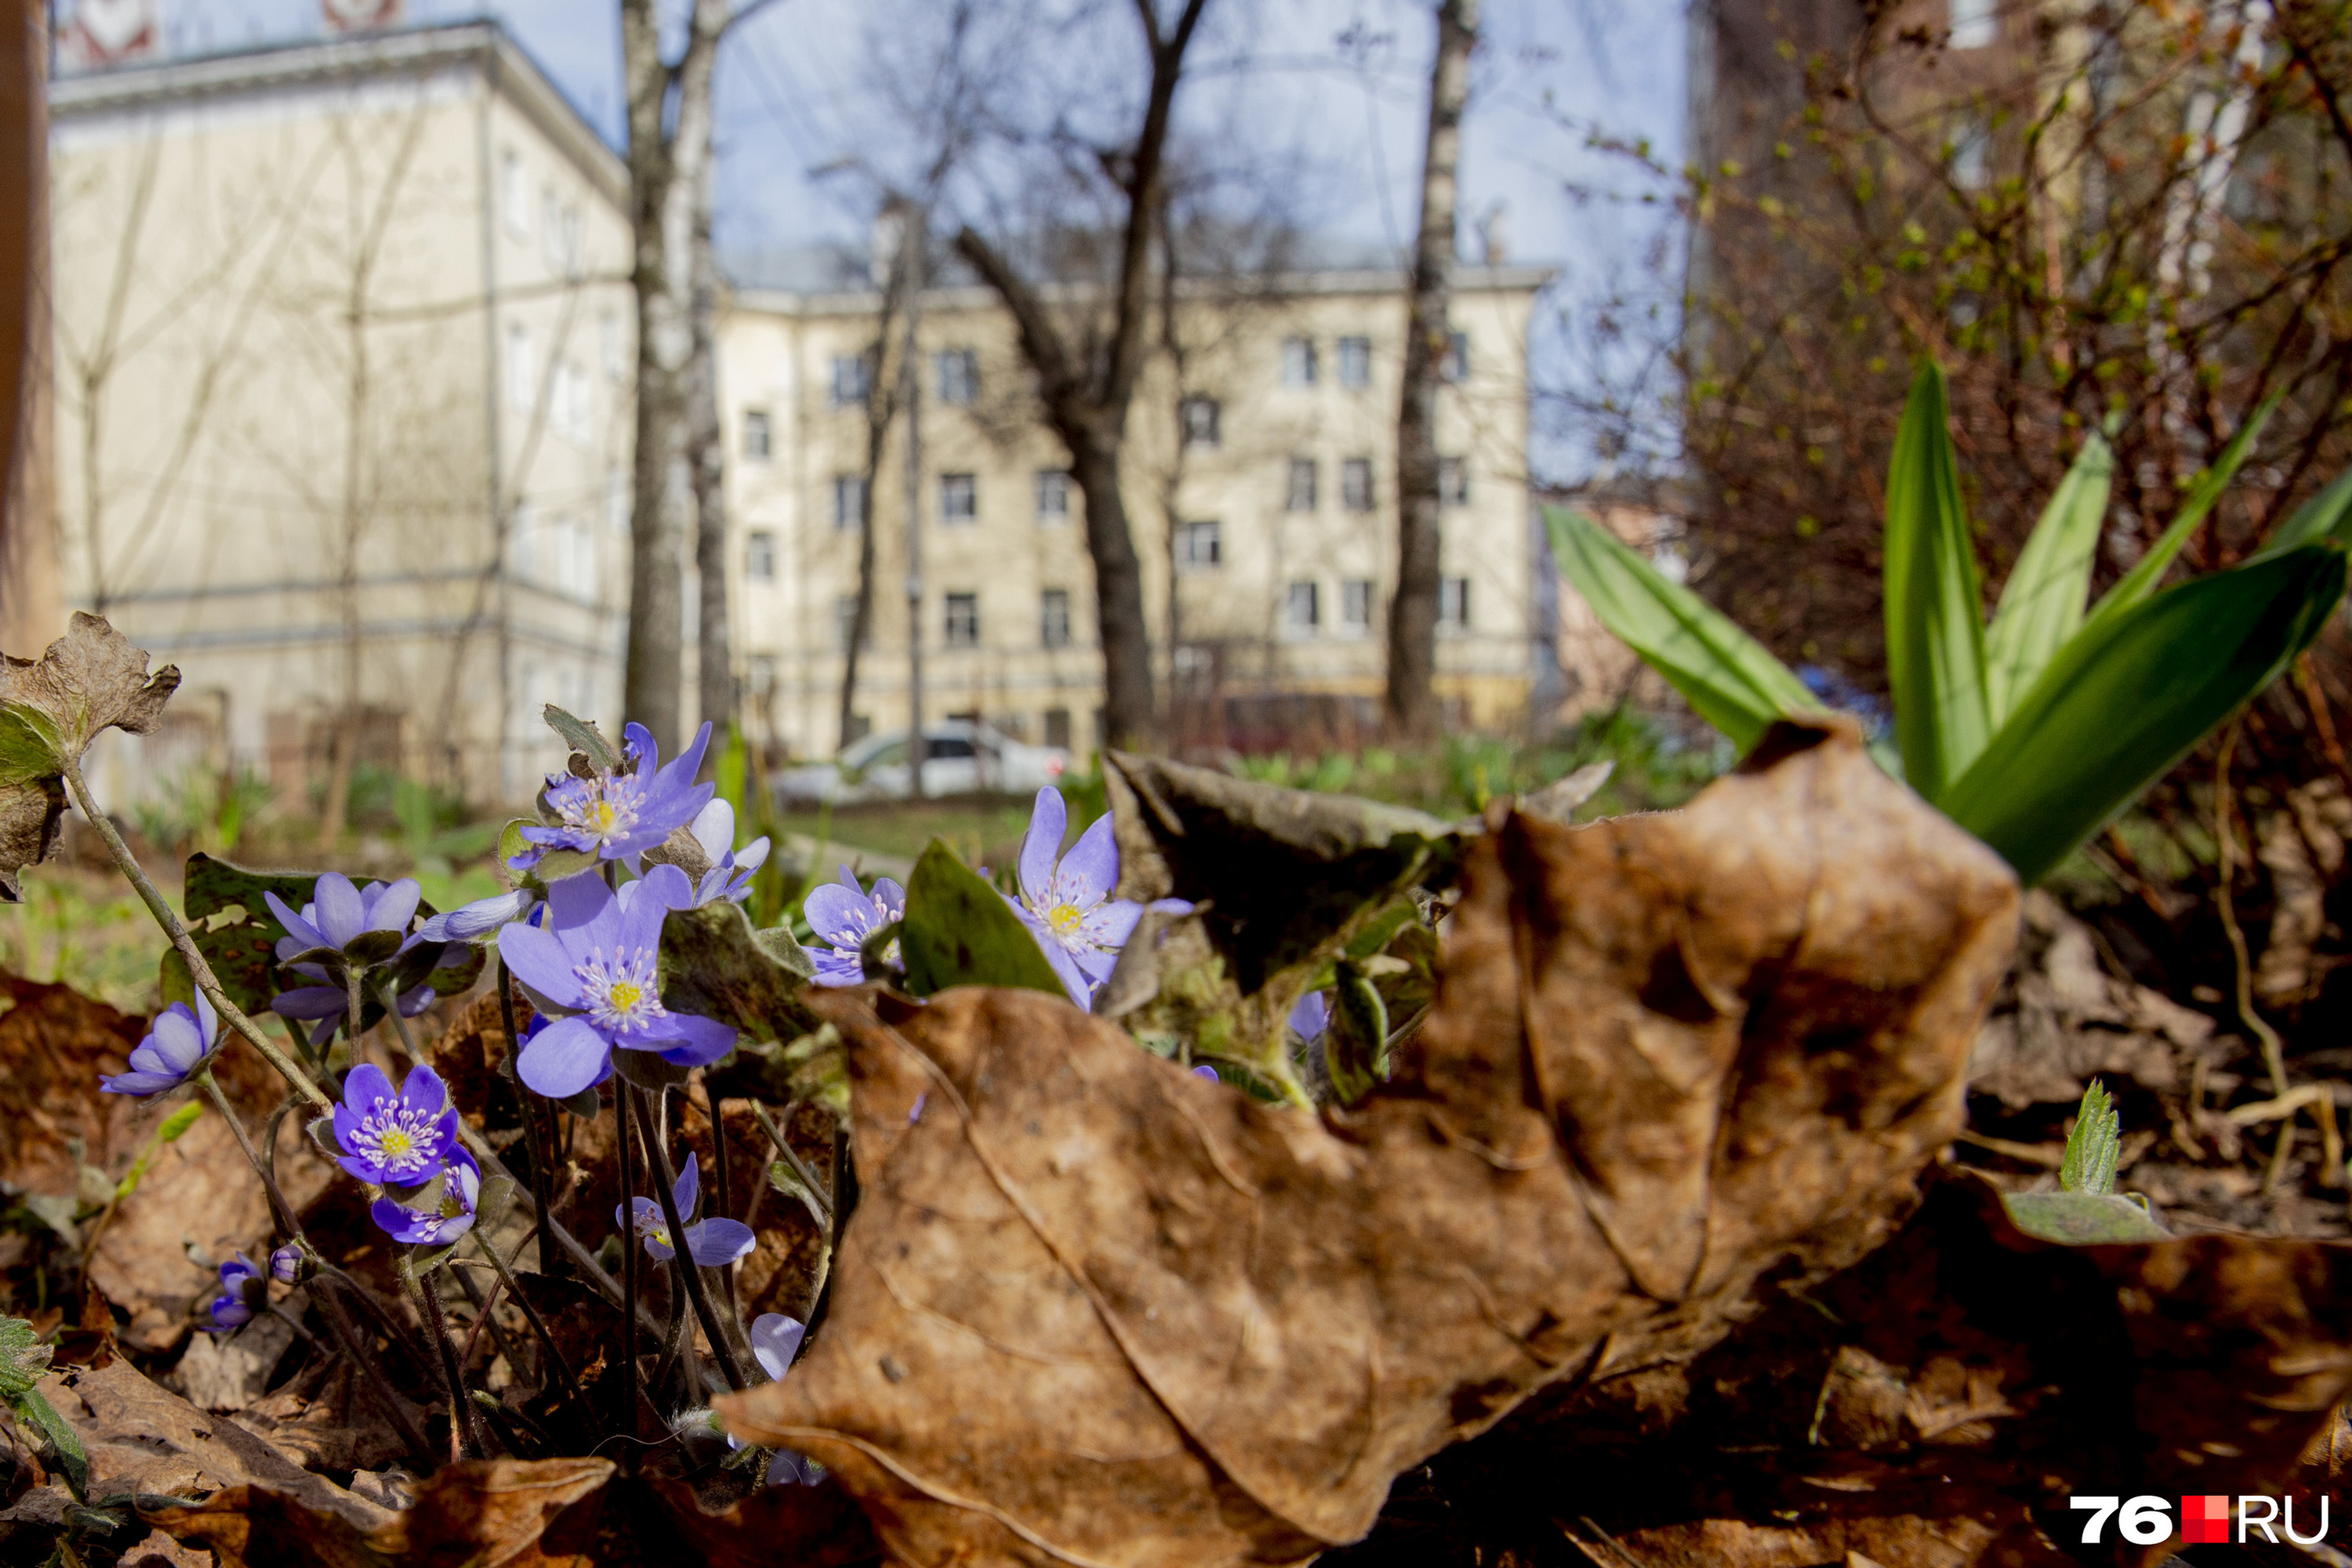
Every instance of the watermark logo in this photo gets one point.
(2204, 1519)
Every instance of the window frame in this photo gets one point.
(966, 383)
(760, 554)
(845, 488)
(964, 486)
(1356, 594)
(959, 620)
(1300, 361)
(1197, 403)
(1309, 592)
(1353, 497)
(1453, 604)
(1190, 531)
(863, 380)
(759, 420)
(1053, 628)
(1312, 471)
(1061, 482)
(1355, 355)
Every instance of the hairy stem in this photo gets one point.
(462, 1418)
(663, 1178)
(555, 1360)
(198, 969)
(628, 1266)
(339, 1323)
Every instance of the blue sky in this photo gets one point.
(802, 87)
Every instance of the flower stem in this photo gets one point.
(665, 1177)
(628, 1268)
(540, 1136)
(462, 1418)
(278, 1207)
(563, 1368)
(199, 970)
(339, 1323)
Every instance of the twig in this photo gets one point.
(809, 1182)
(2049, 1157)
(2273, 1050)
(540, 1139)
(339, 1323)
(462, 1418)
(628, 1263)
(199, 970)
(555, 1359)
(663, 1178)
(482, 1306)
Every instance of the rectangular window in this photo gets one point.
(844, 620)
(1453, 603)
(755, 435)
(848, 501)
(1057, 727)
(1974, 24)
(1452, 481)
(852, 380)
(514, 203)
(1356, 605)
(522, 369)
(1198, 546)
(1054, 617)
(1457, 365)
(1199, 416)
(759, 555)
(1052, 495)
(1356, 484)
(1356, 362)
(1304, 608)
(1300, 495)
(608, 329)
(1299, 361)
(959, 371)
(959, 499)
(571, 247)
(551, 229)
(963, 620)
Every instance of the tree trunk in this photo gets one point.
(715, 665)
(1412, 612)
(880, 404)
(1118, 591)
(32, 609)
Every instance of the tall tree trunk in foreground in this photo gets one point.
(1087, 395)
(32, 610)
(1412, 612)
(714, 662)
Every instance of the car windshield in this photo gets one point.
(890, 754)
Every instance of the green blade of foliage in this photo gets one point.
(1727, 675)
(959, 931)
(581, 737)
(2147, 572)
(2044, 602)
(1935, 613)
(2095, 1146)
(2127, 698)
(2083, 1219)
(2327, 515)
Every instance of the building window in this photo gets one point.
(1198, 546)
(860, 726)
(963, 620)
(1052, 495)
(1300, 497)
(1304, 608)
(1971, 154)
(1356, 605)
(1452, 481)
(1054, 617)
(844, 622)
(1355, 361)
(1057, 727)
(759, 555)
(1456, 366)
(608, 328)
(959, 371)
(1199, 416)
(755, 435)
(1453, 603)
(853, 379)
(522, 369)
(1299, 361)
(959, 499)
(1356, 484)
(848, 501)
(1973, 24)
(514, 203)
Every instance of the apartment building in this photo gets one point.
(1259, 483)
(344, 367)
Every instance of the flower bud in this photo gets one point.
(290, 1266)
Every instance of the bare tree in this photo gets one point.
(715, 656)
(31, 609)
(1085, 382)
(881, 407)
(1412, 613)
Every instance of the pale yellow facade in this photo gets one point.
(344, 358)
(1274, 630)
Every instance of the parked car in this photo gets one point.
(960, 758)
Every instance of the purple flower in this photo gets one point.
(286, 1265)
(592, 969)
(1066, 898)
(395, 1140)
(448, 1219)
(339, 914)
(775, 1341)
(1310, 1017)
(471, 922)
(1207, 1072)
(713, 1243)
(243, 1293)
(730, 874)
(842, 915)
(177, 1044)
(326, 1003)
(621, 814)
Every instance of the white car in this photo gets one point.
(960, 758)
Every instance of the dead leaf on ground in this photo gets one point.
(1092, 1308)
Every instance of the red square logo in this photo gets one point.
(2204, 1519)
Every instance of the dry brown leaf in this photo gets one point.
(1092, 1310)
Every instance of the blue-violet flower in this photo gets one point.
(842, 915)
(731, 873)
(448, 1219)
(286, 1264)
(337, 915)
(618, 815)
(1066, 901)
(712, 1243)
(178, 1043)
(592, 968)
(395, 1139)
(243, 1293)
(775, 1341)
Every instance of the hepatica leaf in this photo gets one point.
(959, 931)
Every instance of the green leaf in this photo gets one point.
(180, 1120)
(173, 1126)
(2044, 602)
(2095, 1146)
(1935, 610)
(1727, 675)
(2081, 1219)
(959, 931)
(2149, 571)
(714, 963)
(581, 737)
(242, 951)
(37, 1413)
(2327, 515)
(23, 1358)
(2127, 698)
